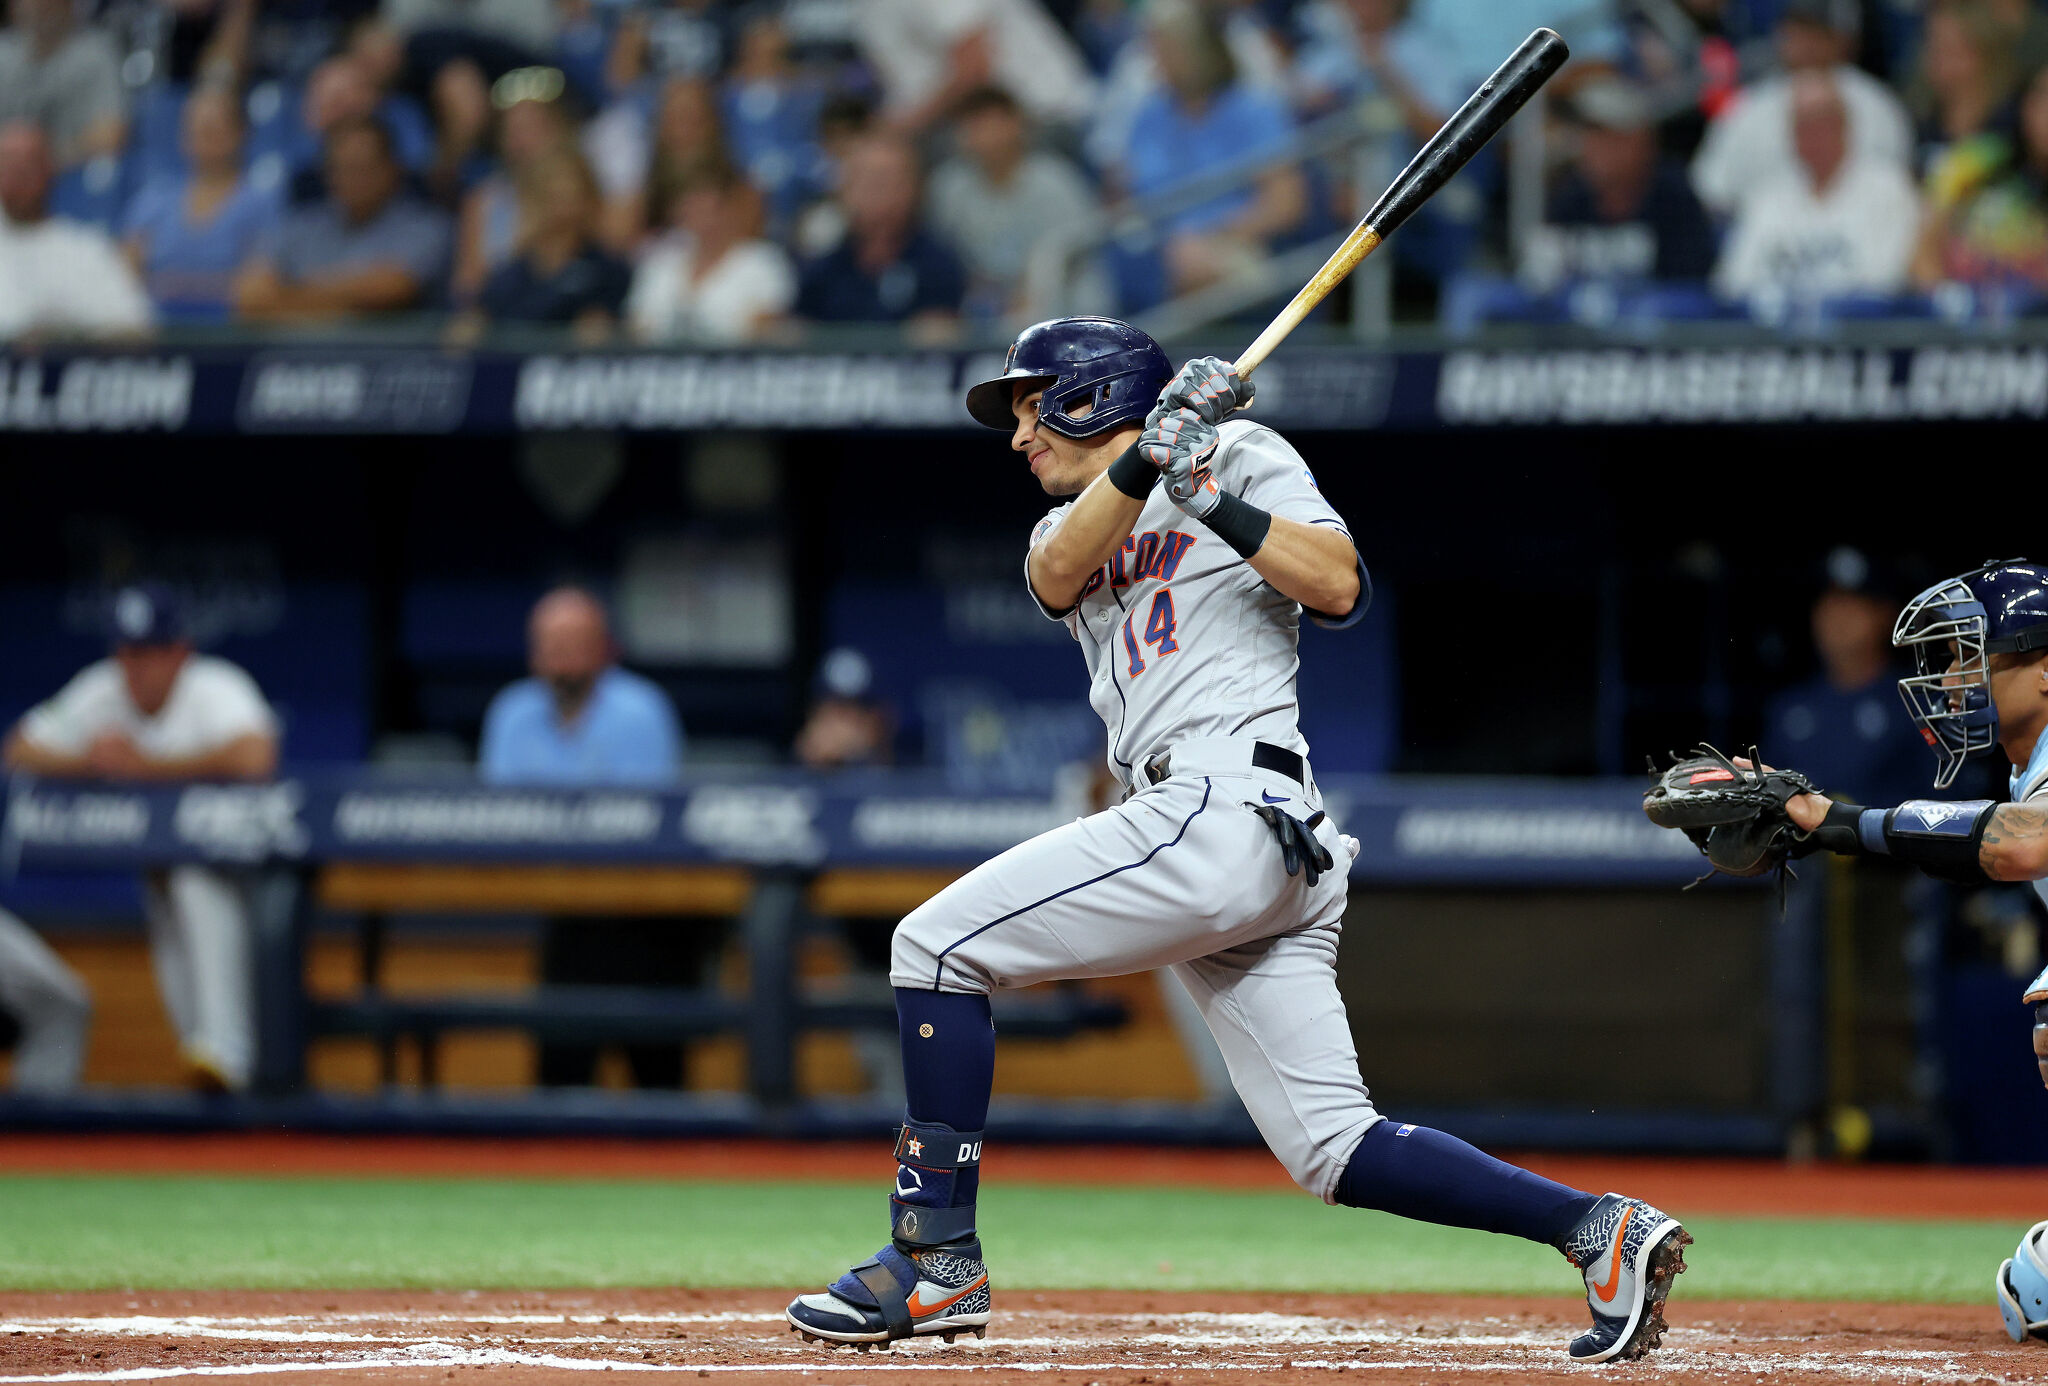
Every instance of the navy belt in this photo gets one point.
(1265, 756)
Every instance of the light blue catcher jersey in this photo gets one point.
(2030, 781)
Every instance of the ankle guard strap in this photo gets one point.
(937, 1147)
(929, 1162)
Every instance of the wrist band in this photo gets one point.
(1132, 474)
(1239, 524)
(1840, 832)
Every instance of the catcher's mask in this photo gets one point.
(1109, 368)
(1952, 629)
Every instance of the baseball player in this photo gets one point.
(1980, 651)
(157, 710)
(1193, 545)
(47, 1007)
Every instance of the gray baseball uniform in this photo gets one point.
(50, 1004)
(1191, 657)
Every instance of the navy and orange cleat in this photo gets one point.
(904, 1292)
(1630, 1253)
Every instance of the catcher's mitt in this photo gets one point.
(1735, 814)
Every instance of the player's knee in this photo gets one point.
(910, 958)
(60, 1004)
(924, 953)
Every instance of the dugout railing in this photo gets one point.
(1550, 873)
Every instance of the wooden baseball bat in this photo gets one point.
(1449, 149)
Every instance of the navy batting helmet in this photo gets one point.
(1953, 629)
(1078, 362)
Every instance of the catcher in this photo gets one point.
(1980, 652)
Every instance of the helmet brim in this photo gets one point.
(990, 402)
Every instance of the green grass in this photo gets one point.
(99, 1232)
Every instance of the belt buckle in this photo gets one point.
(1159, 767)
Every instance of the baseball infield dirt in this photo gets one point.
(1065, 1339)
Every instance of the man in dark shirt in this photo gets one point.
(888, 268)
(1621, 212)
(369, 247)
(1847, 723)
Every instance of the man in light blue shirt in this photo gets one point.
(1477, 38)
(580, 720)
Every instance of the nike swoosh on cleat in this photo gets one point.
(1271, 799)
(920, 1306)
(1606, 1292)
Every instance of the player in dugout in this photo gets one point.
(1979, 643)
(155, 710)
(1194, 544)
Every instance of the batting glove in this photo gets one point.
(1180, 445)
(1210, 386)
(1300, 851)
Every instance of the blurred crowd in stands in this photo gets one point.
(718, 171)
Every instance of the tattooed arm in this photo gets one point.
(2015, 846)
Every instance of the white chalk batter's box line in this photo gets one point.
(441, 1355)
(1226, 1331)
(1268, 1330)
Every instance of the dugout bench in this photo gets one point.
(775, 909)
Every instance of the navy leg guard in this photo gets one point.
(936, 1180)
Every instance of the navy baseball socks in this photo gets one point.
(930, 1279)
(1628, 1251)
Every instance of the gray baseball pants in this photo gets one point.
(49, 1003)
(199, 944)
(1181, 875)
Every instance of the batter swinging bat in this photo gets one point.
(1449, 149)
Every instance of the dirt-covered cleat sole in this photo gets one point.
(1630, 1253)
(1667, 1262)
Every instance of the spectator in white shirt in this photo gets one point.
(1751, 143)
(1836, 225)
(713, 279)
(1021, 219)
(156, 711)
(930, 53)
(58, 277)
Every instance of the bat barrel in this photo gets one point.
(1465, 133)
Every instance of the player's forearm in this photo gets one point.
(1968, 841)
(1313, 564)
(250, 757)
(1102, 518)
(2015, 845)
(22, 754)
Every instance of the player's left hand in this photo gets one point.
(1210, 386)
(113, 756)
(1807, 811)
(1735, 810)
(1180, 445)
(1300, 850)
